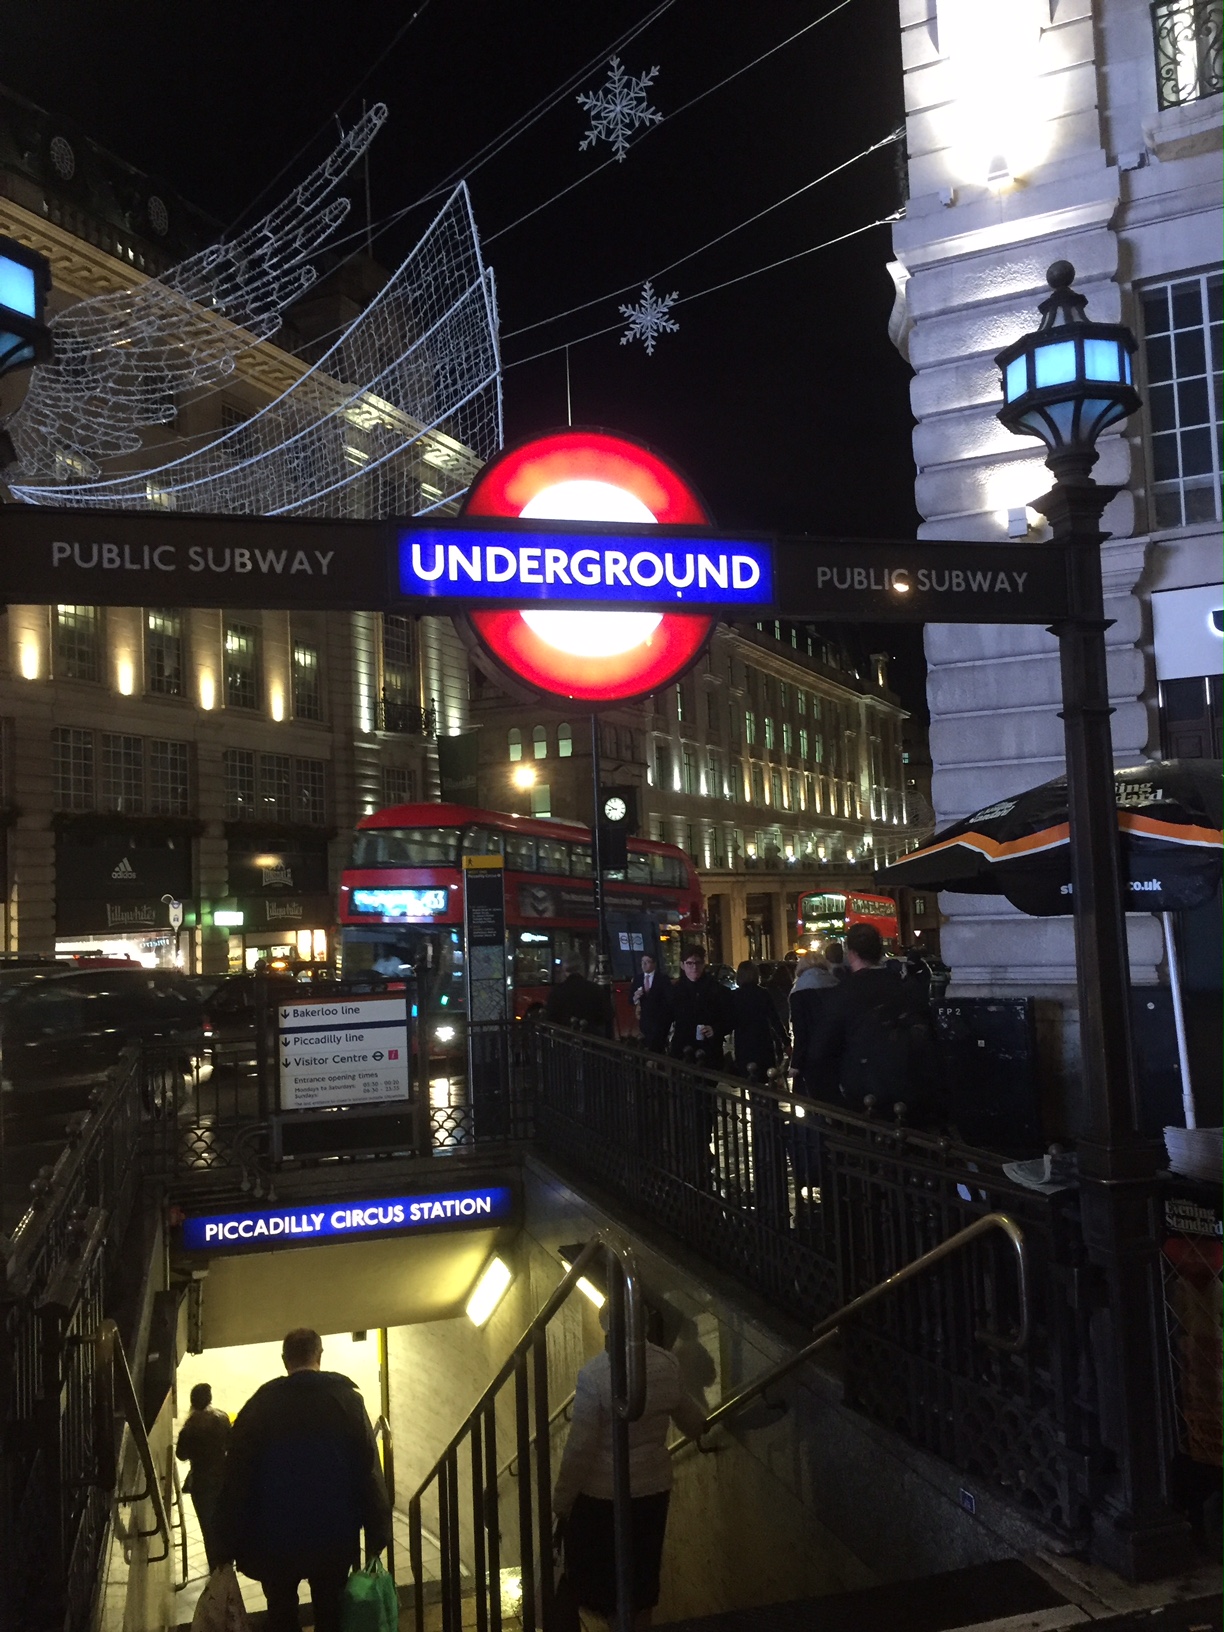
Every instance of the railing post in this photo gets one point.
(622, 1512)
(416, 1560)
(543, 1459)
(492, 1520)
(522, 1434)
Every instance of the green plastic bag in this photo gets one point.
(371, 1603)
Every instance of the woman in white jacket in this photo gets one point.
(582, 1496)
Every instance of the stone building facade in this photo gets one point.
(1085, 130)
(775, 764)
(215, 758)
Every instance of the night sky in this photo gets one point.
(780, 396)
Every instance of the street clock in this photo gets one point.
(615, 809)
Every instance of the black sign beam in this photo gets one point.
(144, 558)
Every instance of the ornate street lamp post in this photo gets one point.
(1067, 382)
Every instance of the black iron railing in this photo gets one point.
(397, 714)
(1187, 36)
(811, 1207)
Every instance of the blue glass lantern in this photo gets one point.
(1070, 379)
(25, 278)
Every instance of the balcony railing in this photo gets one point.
(1187, 35)
(406, 718)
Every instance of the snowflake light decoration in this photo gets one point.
(650, 317)
(617, 108)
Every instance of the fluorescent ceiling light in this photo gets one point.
(489, 1290)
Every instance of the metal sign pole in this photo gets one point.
(603, 975)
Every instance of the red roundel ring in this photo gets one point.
(516, 477)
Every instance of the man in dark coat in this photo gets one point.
(701, 1011)
(653, 1001)
(759, 1037)
(203, 1442)
(874, 1035)
(578, 1000)
(302, 1481)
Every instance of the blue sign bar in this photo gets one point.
(517, 565)
(344, 1220)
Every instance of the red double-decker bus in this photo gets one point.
(827, 917)
(404, 882)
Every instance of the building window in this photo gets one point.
(795, 797)
(164, 651)
(239, 775)
(783, 694)
(169, 784)
(310, 791)
(121, 774)
(275, 787)
(749, 727)
(1187, 35)
(539, 742)
(680, 704)
(775, 789)
(689, 777)
(541, 799)
(656, 829)
(76, 643)
(735, 781)
(397, 659)
(769, 732)
(810, 801)
(818, 749)
(758, 785)
(241, 665)
(565, 741)
(397, 785)
(803, 742)
(515, 742)
(801, 701)
(1181, 329)
(714, 777)
(713, 723)
(919, 906)
(72, 768)
(307, 689)
(663, 767)
(788, 738)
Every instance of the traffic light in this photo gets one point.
(618, 821)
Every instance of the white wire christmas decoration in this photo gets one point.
(395, 418)
(650, 317)
(617, 108)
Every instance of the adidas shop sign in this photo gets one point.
(123, 871)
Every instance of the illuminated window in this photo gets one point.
(398, 683)
(76, 643)
(803, 742)
(307, 686)
(750, 726)
(769, 732)
(818, 749)
(539, 742)
(565, 742)
(72, 768)
(398, 785)
(275, 787)
(516, 744)
(310, 791)
(169, 784)
(121, 774)
(801, 701)
(241, 665)
(788, 738)
(164, 651)
(238, 765)
(1182, 333)
(541, 799)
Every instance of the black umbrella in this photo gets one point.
(1169, 836)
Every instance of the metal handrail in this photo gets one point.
(174, 1490)
(509, 1467)
(112, 1363)
(830, 1326)
(382, 1430)
(628, 1403)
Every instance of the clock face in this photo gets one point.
(615, 810)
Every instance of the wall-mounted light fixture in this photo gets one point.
(489, 1290)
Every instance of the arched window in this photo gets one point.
(516, 743)
(539, 742)
(565, 741)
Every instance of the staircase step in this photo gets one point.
(1004, 1594)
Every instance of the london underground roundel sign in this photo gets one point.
(599, 656)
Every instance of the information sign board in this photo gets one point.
(312, 1221)
(350, 1052)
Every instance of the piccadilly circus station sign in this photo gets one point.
(546, 605)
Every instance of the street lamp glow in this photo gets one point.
(523, 776)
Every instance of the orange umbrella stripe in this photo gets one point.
(1049, 838)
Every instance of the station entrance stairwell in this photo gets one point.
(836, 1222)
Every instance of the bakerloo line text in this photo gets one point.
(342, 1219)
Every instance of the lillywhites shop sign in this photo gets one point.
(344, 1221)
(519, 567)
